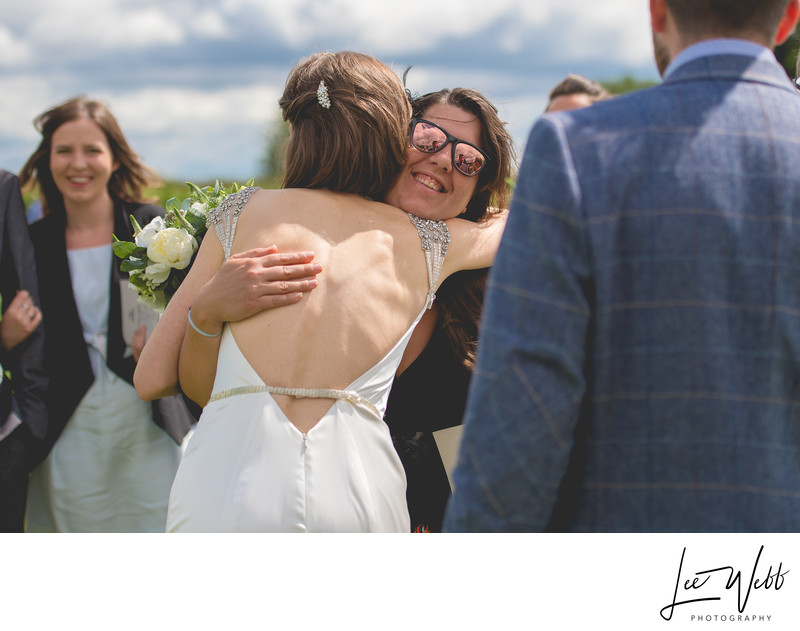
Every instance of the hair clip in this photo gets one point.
(322, 96)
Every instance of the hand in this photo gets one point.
(138, 339)
(19, 321)
(250, 282)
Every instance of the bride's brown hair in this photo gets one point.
(358, 144)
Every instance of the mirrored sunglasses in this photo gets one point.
(428, 137)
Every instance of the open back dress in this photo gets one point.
(248, 468)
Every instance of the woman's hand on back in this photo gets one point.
(254, 280)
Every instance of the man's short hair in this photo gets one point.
(578, 84)
(701, 18)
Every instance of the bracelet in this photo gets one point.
(199, 330)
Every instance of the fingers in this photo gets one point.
(27, 313)
(277, 259)
(34, 319)
(255, 252)
(21, 302)
(19, 321)
(22, 296)
(280, 300)
(288, 287)
(290, 272)
(277, 270)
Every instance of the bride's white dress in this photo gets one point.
(249, 469)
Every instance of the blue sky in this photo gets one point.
(195, 83)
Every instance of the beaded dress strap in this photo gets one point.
(435, 237)
(304, 393)
(225, 217)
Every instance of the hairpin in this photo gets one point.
(322, 96)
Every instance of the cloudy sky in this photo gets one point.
(195, 83)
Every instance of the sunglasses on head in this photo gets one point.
(428, 137)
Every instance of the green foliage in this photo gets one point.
(787, 53)
(626, 84)
(123, 249)
(172, 191)
(275, 154)
(162, 252)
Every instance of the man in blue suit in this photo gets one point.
(639, 359)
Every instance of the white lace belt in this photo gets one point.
(303, 393)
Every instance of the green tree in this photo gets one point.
(274, 160)
(787, 53)
(626, 84)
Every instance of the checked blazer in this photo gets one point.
(639, 359)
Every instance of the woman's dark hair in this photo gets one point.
(366, 124)
(493, 190)
(460, 297)
(127, 182)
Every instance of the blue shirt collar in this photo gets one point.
(708, 47)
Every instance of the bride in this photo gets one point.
(292, 436)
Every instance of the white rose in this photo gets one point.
(149, 231)
(173, 247)
(157, 273)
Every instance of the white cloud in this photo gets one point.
(204, 107)
(220, 133)
(211, 24)
(83, 28)
(13, 50)
(618, 29)
(155, 110)
(23, 99)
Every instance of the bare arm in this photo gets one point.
(156, 372)
(473, 245)
(197, 360)
(245, 284)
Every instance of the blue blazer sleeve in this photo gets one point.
(529, 381)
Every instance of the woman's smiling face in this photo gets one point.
(81, 161)
(429, 186)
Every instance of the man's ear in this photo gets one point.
(658, 15)
(788, 22)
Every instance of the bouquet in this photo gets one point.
(162, 252)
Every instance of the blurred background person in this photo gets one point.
(109, 466)
(575, 92)
(23, 381)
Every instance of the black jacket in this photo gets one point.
(24, 393)
(67, 356)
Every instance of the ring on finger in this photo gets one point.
(31, 314)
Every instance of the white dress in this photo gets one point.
(249, 469)
(111, 468)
